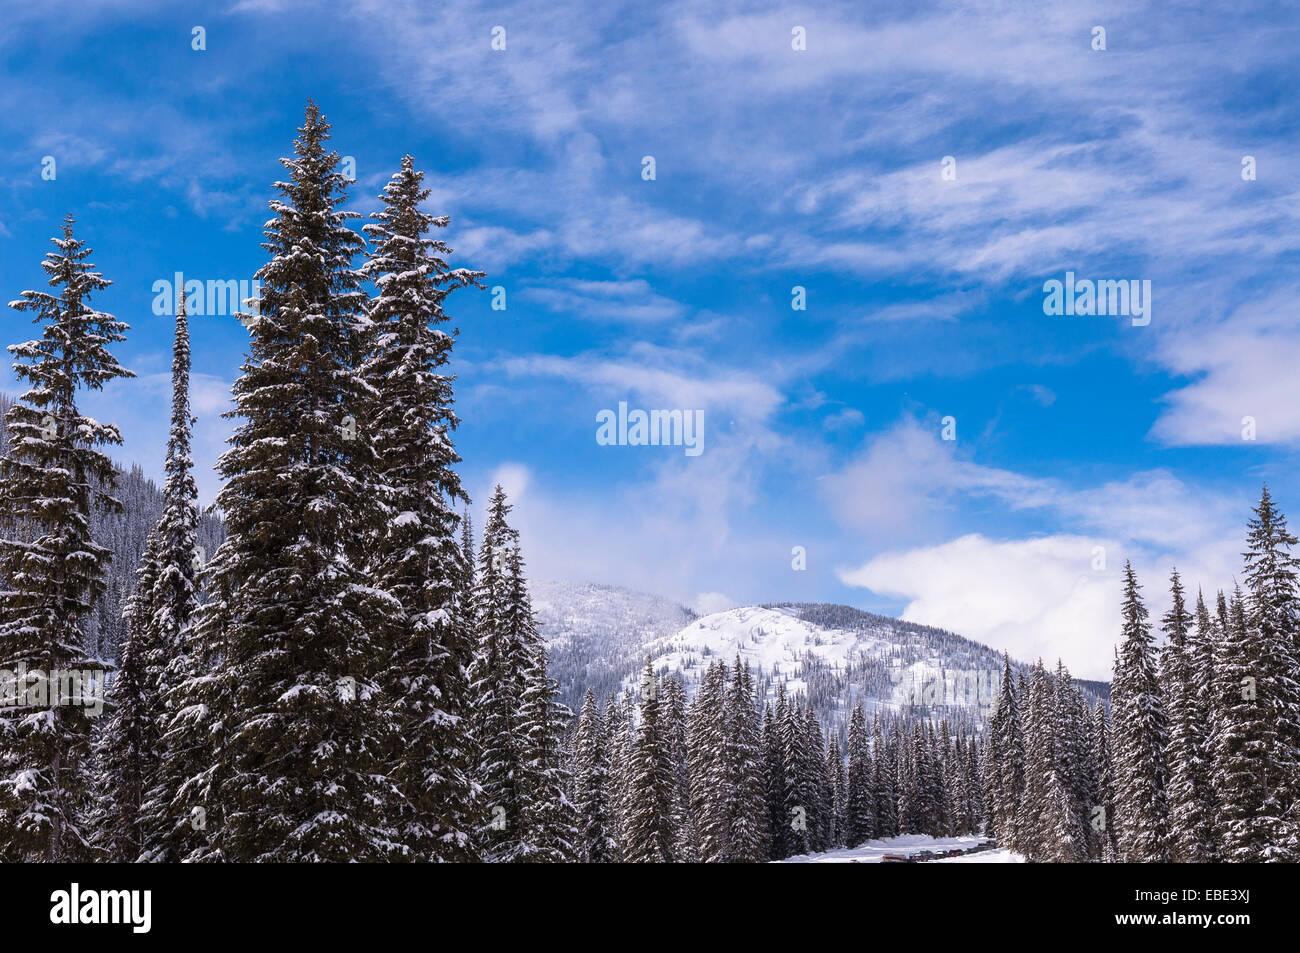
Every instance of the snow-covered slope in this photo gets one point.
(774, 640)
(596, 634)
(873, 851)
(835, 656)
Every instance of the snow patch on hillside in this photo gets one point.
(773, 640)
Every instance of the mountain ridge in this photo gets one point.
(834, 655)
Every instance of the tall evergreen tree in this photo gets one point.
(618, 715)
(547, 816)
(687, 850)
(1074, 756)
(51, 569)
(1141, 738)
(1009, 745)
(860, 795)
(1190, 818)
(747, 837)
(884, 783)
(814, 771)
(1105, 843)
(1273, 620)
(158, 611)
(836, 785)
(802, 806)
(416, 558)
(778, 822)
(710, 783)
(299, 775)
(591, 785)
(497, 685)
(650, 835)
(1245, 743)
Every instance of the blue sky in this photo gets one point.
(775, 168)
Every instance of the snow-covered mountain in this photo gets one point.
(596, 635)
(601, 636)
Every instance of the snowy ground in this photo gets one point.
(872, 851)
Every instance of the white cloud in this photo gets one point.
(1033, 598)
(514, 478)
(707, 603)
(619, 301)
(1242, 365)
(845, 418)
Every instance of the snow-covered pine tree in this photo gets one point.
(884, 783)
(710, 787)
(774, 762)
(159, 609)
(905, 757)
(1065, 841)
(305, 636)
(618, 718)
(1201, 702)
(1190, 821)
(944, 753)
(1273, 621)
(859, 796)
(1140, 738)
(1074, 755)
(747, 839)
(990, 782)
(591, 785)
(814, 752)
(802, 802)
(497, 685)
(52, 480)
(1037, 806)
(127, 750)
(173, 596)
(415, 558)
(547, 817)
(1009, 746)
(650, 835)
(687, 850)
(1243, 731)
(1105, 845)
(968, 783)
(124, 755)
(835, 784)
(929, 782)
(974, 785)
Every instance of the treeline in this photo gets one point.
(1202, 760)
(1046, 768)
(720, 779)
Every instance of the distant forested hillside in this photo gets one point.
(125, 534)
